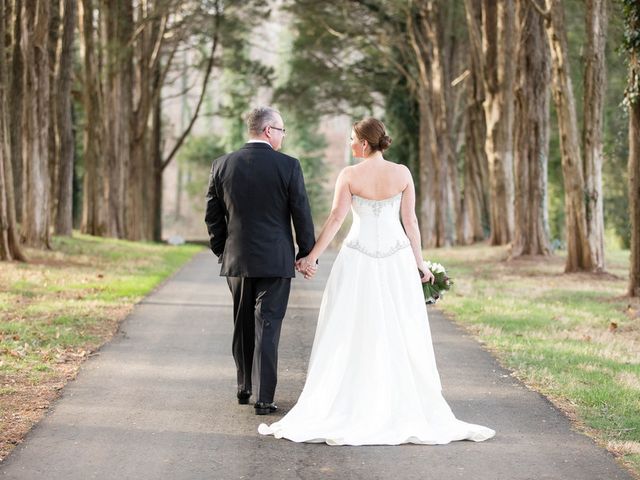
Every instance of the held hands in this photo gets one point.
(307, 267)
(425, 274)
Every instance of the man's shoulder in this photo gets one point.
(279, 157)
(221, 159)
(287, 158)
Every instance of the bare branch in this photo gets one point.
(205, 82)
(545, 13)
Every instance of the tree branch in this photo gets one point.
(545, 13)
(205, 82)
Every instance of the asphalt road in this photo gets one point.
(158, 402)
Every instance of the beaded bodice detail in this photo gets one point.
(376, 230)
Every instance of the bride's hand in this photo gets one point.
(307, 267)
(426, 276)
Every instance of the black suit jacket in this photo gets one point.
(253, 196)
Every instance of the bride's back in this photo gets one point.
(377, 179)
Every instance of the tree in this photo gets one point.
(64, 122)
(37, 115)
(532, 135)
(9, 243)
(632, 100)
(594, 93)
(93, 207)
(498, 27)
(475, 206)
(579, 255)
(15, 98)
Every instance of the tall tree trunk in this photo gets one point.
(139, 222)
(15, 102)
(498, 19)
(36, 209)
(426, 139)
(64, 215)
(447, 193)
(633, 97)
(427, 176)
(579, 255)
(9, 241)
(476, 185)
(93, 208)
(55, 16)
(156, 155)
(532, 135)
(435, 145)
(118, 88)
(594, 93)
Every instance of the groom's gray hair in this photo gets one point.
(259, 118)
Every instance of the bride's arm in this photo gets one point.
(339, 210)
(411, 227)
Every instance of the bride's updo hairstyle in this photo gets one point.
(373, 131)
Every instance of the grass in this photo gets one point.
(59, 308)
(573, 337)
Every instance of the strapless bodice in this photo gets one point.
(376, 230)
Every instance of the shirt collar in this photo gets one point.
(253, 140)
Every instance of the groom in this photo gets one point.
(254, 195)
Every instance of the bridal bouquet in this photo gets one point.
(434, 291)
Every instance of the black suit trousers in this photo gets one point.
(259, 306)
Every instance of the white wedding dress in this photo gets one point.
(372, 376)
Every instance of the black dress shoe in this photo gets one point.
(264, 408)
(243, 396)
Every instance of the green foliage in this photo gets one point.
(306, 143)
(200, 150)
(241, 80)
(196, 156)
(631, 45)
(402, 122)
(631, 12)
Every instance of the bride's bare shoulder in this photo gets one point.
(398, 168)
(347, 171)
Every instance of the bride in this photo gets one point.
(372, 376)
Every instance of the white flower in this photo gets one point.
(438, 268)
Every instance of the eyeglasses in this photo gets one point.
(284, 131)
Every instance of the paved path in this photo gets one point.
(159, 403)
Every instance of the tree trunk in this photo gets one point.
(438, 221)
(9, 241)
(476, 185)
(15, 102)
(93, 208)
(55, 16)
(140, 219)
(532, 135)
(634, 168)
(427, 176)
(156, 155)
(594, 93)
(498, 46)
(36, 209)
(447, 193)
(579, 255)
(64, 214)
(118, 87)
